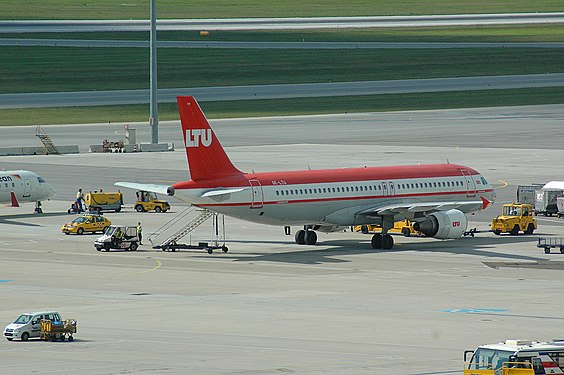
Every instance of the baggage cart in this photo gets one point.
(53, 330)
(549, 243)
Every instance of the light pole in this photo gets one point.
(154, 115)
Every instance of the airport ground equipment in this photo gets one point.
(86, 223)
(545, 198)
(167, 236)
(148, 201)
(560, 206)
(57, 330)
(515, 218)
(404, 227)
(526, 193)
(118, 237)
(28, 325)
(516, 357)
(548, 243)
(101, 201)
(50, 148)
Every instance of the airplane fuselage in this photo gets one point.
(26, 186)
(335, 196)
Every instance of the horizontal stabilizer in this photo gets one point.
(154, 188)
(14, 199)
(218, 192)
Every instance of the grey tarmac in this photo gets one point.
(269, 306)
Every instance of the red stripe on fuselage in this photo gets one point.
(331, 176)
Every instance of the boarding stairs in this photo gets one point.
(168, 235)
(50, 148)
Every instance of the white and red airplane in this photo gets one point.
(435, 197)
(24, 186)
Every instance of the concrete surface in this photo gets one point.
(269, 306)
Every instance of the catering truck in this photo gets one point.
(516, 357)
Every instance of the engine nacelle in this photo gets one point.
(443, 225)
(329, 228)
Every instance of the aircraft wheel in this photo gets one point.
(387, 242)
(310, 237)
(300, 237)
(376, 241)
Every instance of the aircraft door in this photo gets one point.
(27, 190)
(388, 189)
(257, 194)
(470, 183)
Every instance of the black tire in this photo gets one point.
(224, 249)
(530, 229)
(387, 242)
(139, 208)
(118, 209)
(62, 337)
(25, 336)
(80, 231)
(310, 237)
(406, 232)
(562, 250)
(71, 338)
(376, 241)
(300, 237)
(158, 209)
(497, 232)
(107, 246)
(515, 230)
(547, 250)
(364, 229)
(210, 251)
(9, 338)
(133, 246)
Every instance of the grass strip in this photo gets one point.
(46, 69)
(119, 9)
(289, 107)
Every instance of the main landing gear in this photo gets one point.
(306, 236)
(382, 241)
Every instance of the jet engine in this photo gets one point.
(443, 225)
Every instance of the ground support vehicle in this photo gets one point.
(148, 201)
(404, 227)
(118, 237)
(560, 206)
(57, 330)
(515, 217)
(516, 357)
(549, 243)
(28, 325)
(86, 223)
(526, 193)
(545, 201)
(100, 201)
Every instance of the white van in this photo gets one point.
(28, 325)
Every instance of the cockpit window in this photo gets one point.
(41, 180)
(484, 182)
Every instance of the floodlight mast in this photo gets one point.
(154, 115)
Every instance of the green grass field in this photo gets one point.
(44, 69)
(121, 9)
(287, 107)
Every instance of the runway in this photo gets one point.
(270, 306)
(279, 91)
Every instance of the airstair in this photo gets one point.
(50, 148)
(167, 236)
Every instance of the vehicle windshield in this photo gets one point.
(23, 319)
(110, 230)
(512, 211)
(79, 220)
(484, 359)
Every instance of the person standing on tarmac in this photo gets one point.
(79, 199)
(140, 233)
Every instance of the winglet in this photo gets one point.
(14, 199)
(206, 158)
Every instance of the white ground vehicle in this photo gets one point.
(28, 325)
(516, 357)
(118, 237)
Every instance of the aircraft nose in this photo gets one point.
(50, 191)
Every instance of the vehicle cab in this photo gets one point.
(118, 237)
(148, 201)
(28, 325)
(86, 223)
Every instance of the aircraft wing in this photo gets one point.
(159, 189)
(414, 210)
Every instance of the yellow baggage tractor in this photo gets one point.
(53, 331)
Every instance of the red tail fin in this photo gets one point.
(206, 157)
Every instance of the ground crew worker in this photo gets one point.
(79, 199)
(140, 232)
